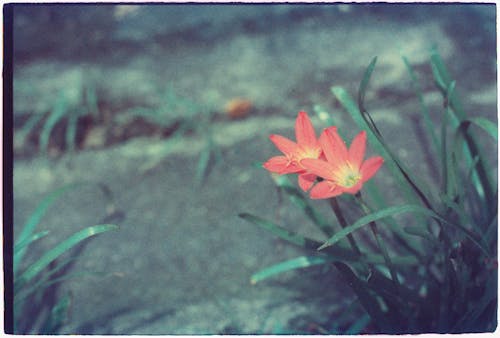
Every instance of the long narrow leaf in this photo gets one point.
(28, 127)
(429, 125)
(364, 84)
(59, 111)
(35, 219)
(292, 264)
(58, 314)
(368, 300)
(488, 126)
(338, 253)
(392, 211)
(300, 201)
(279, 231)
(30, 240)
(71, 131)
(58, 250)
(406, 179)
(481, 175)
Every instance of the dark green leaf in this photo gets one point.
(392, 211)
(423, 107)
(364, 84)
(488, 126)
(57, 317)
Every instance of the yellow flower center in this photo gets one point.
(347, 176)
(306, 152)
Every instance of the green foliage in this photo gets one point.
(190, 117)
(434, 271)
(71, 104)
(32, 283)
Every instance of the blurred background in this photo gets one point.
(171, 106)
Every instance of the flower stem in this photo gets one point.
(380, 243)
(340, 217)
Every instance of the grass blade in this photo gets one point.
(398, 170)
(59, 111)
(58, 314)
(289, 265)
(71, 131)
(364, 84)
(279, 231)
(395, 210)
(28, 127)
(203, 163)
(35, 218)
(481, 176)
(30, 240)
(429, 125)
(488, 126)
(368, 300)
(58, 250)
(336, 252)
(299, 200)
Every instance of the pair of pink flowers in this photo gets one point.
(342, 169)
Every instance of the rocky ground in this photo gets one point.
(182, 259)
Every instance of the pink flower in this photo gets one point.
(344, 170)
(306, 147)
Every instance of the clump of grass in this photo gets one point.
(70, 105)
(37, 310)
(432, 271)
(194, 119)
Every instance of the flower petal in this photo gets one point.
(325, 189)
(306, 181)
(327, 145)
(333, 146)
(276, 164)
(304, 130)
(357, 149)
(370, 167)
(319, 168)
(281, 165)
(285, 145)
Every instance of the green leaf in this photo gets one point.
(58, 112)
(58, 315)
(296, 239)
(392, 211)
(71, 131)
(299, 200)
(30, 240)
(28, 127)
(364, 84)
(292, 264)
(403, 175)
(58, 250)
(368, 300)
(488, 126)
(338, 253)
(483, 182)
(429, 125)
(35, 218)
(358, 326)
(203, 162)
(47, 281)
(279, 231)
